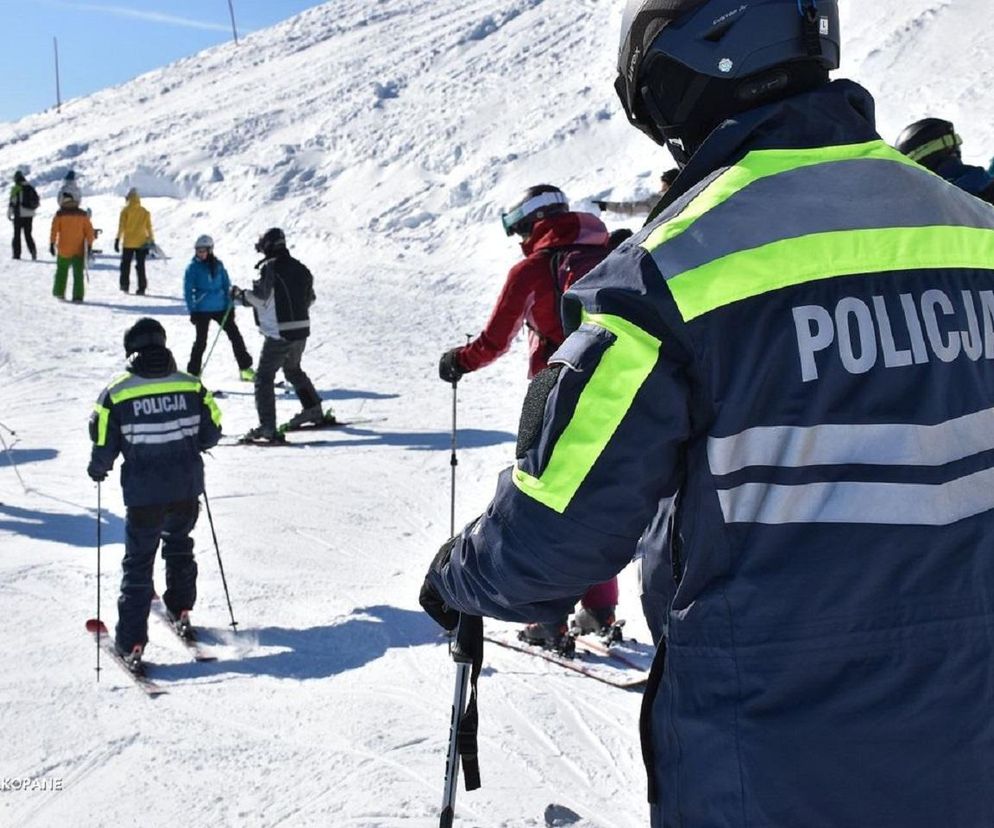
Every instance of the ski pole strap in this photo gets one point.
(468, 647)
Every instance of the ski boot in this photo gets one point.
(132, 659)
(263, 436)
(181, 623)
(309, 416)
(553, 636)
(600, 622)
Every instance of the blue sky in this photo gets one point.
(106, 42)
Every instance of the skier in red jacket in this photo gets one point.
(531, 296)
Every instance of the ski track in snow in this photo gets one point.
(384, 141)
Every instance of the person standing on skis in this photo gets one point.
(280, 299)
(546, 227)
(159, 420)
(207, 288)
(789, 368)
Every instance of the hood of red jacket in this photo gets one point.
(562, 229)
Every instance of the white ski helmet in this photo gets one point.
(203, 242)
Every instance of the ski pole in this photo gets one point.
(8, 429)
(220, 566)
(99, 624)
(224, 320)
(13, 462)
(466, 649)
(454, 461)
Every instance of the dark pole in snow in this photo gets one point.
(58, 91)
(234, 31)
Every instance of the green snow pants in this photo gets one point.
(62, 276)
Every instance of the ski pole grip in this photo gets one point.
(468, 639)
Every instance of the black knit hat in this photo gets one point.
(145, 333)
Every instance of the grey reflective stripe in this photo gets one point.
(909, 504)
(879, 444)
(158, 428)
(158, 439)
(295, 326)
(862, 185)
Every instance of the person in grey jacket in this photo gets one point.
(641, 206)
(280, 299)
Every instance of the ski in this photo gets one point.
(329, 422)
(193, 646)
(247, 441)
(98, 630)
(590, 664)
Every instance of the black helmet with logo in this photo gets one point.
(538, 201)
(271, 242)
(928, 141)
(686, 65)
(145, 333)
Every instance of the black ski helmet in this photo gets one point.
(538, 201)
(928, 141)
(270, 242)
(145, 333)
(686, 65)
(18, 177)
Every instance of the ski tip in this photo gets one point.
(95, 625)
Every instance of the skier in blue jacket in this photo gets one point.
(935, 144)
(206, 288)
(792, 364)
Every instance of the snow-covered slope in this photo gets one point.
(384, 137)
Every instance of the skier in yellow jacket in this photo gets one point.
(72, 233)
(134, 229)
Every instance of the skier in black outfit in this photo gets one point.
(22, 216)
(935, 144)
(280, 299)
(159, 420)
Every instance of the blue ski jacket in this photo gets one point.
(159, 420)
(975, 180)
(795, 359)
(206, 289)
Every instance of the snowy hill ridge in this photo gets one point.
(384, 136)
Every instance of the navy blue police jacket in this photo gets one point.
(796, 358)
(159, 420)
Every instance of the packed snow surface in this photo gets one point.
(384, 138)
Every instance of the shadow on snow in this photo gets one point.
(19, 457)
(74, 530)
(316, 652)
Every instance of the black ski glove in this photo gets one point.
(431, 602)
(449, 368)
(97, 475)
(51, 249)
(237, 294)
(117, 245)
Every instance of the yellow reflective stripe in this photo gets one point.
(103, 416)
(762, 164)
(789, 262)
(925, 150)
(147, 389)
(212, 407)
(601, 407)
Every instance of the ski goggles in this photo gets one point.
(511, 219)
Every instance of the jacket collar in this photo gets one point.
(841, 112)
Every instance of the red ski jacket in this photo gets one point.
(529, 295)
